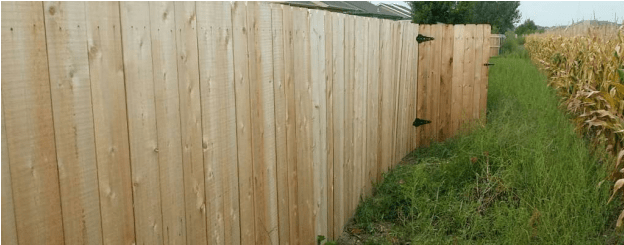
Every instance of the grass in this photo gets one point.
(525, 177)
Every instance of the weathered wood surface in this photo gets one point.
(216, 122)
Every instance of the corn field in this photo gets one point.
(587, 71)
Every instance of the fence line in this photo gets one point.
(216, 122)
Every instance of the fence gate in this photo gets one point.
(452, 78)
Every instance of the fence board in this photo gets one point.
(468, 76)
(457, 81)
(372, 103)
(142, 121)
(73, 121)
(446, 77)
(190, 121)
(338, 117)
(28, 120)
(424, 64)
(291, 123)
(167, 103)
(385, 80)
(329, 76)
(359, 102)
(413, 83)
(349, 114)
(487, 29)
(478, 64)
(396, 77)
(108, 96)
(319, 119)
(263, 129)
(304, 100)
(281, 118)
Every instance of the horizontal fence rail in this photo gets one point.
(216, 122)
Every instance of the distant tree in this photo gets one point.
(441, 12)
(501, 15)
(527, 27)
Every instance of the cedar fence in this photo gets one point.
(215, 122)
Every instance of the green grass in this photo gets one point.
(525, 177)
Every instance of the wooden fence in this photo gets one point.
(215, 122)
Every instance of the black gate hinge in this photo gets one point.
(421, 38)
(420, 122)
(488, 64)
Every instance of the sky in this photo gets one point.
(555, 13)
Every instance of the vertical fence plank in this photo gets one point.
(319, 120)
(73, 121)
(142, 121)
(291, 123)
(478, 64)
(303, 98)
(260, 52)
(424, 56)
(108, 95)
(414, 99)
(457, 80)
(338, 111)
(446, 77)
(349, 114)
(434, 88)
(400, 78)
(396, 78)
(28, 116)
(386, 96)
(190, 121)
(468, 75)
(243, 122)
(410, 130)
(281, 118)
(9, 233)
(167, 102)
(329, 76)
(372, 103)
(405, 89)
(484, 71)
(359, 102)
(224, 120)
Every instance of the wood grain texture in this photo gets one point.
(423, 83)
(260, 53)
(415, 90)
(291, 124)
(349, 115)
(397, 60)
(9, 235)
(329, 77)
(73, 121)
(434, 88)
(468, 74)
(29, 127)
(167, 103)
(243, 122)
(372, 103)
(457, 81)
(319, 119)
(108, 96)
(338, 124)
(225, 123)
(359, 102)
(137, 55)
(478, 65)
(304, 110)
(281, 119)
(386, 96)
(190, 121)
(446, 80)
